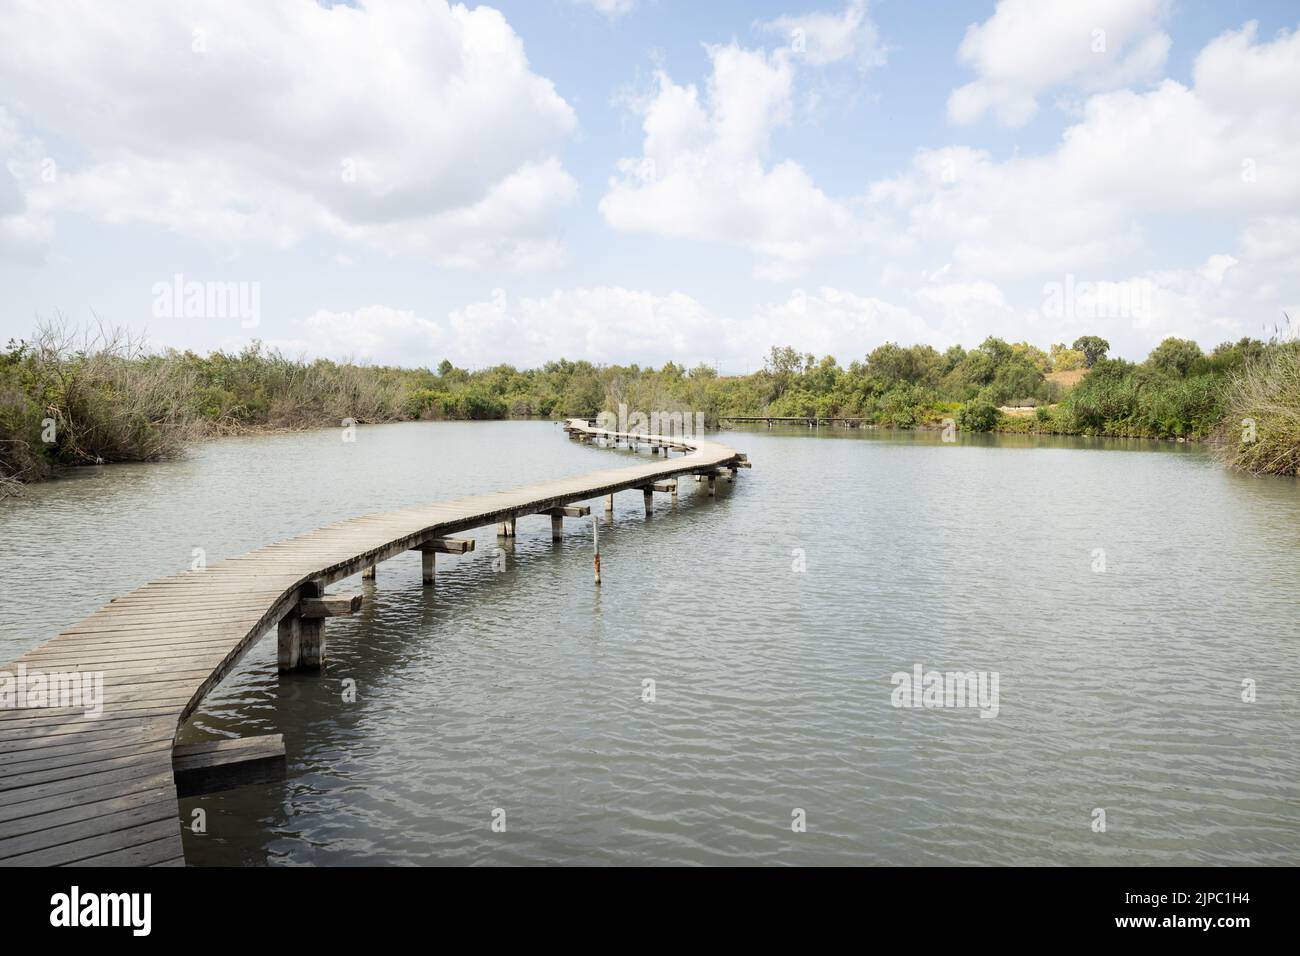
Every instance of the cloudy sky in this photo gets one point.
(644, 180)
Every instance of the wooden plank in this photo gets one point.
(333, 605)
(447, 546)
(222, 764)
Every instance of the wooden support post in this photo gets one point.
(312, 643)
(609, 504)
(506, 529)
(712, 486)
(369, 573)
(435, 546)
(301, 632)
(559, 514)
(649, 500)
(289, 641)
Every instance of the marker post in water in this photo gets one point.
(595, 545)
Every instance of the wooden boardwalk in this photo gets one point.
(812, 421)
(82, 790)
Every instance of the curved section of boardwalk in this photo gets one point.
(101, 791)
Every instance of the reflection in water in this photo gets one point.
(521, 690)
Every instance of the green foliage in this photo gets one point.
(112, 401)
(1260, 431)
(1066, 359)
(1093, 348)
(1175, 356)
(978, 415)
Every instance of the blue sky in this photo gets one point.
(645, 180)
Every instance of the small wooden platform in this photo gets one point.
(89, 791)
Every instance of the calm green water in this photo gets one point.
(522, 690)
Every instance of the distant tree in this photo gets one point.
(1174, 356)
(1093, 348)
(1232, 355)
(445, 367)
(1032, 354)
(1065, 359)
(952, 358)
(783, 361)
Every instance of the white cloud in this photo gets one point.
(609, 325)
(704, 174)
(1228, 147)
(611, 8)
(1215, 301)
(24, 233)
(406, 125)
(824, 38)
(1029, 47)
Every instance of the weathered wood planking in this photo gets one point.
(76, 790)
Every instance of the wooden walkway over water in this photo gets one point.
(812, 421)
(103, 790)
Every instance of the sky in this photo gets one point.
(642, 181)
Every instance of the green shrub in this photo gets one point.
(978, 415)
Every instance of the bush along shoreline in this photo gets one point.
(75, 398)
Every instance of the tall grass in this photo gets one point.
(1260, 432)
(72, 398)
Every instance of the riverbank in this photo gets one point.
(69, 399)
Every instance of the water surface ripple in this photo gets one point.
(521, 689)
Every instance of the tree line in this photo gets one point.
(70, 398)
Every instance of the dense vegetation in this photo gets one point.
(68, 400)
(1260, 431)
